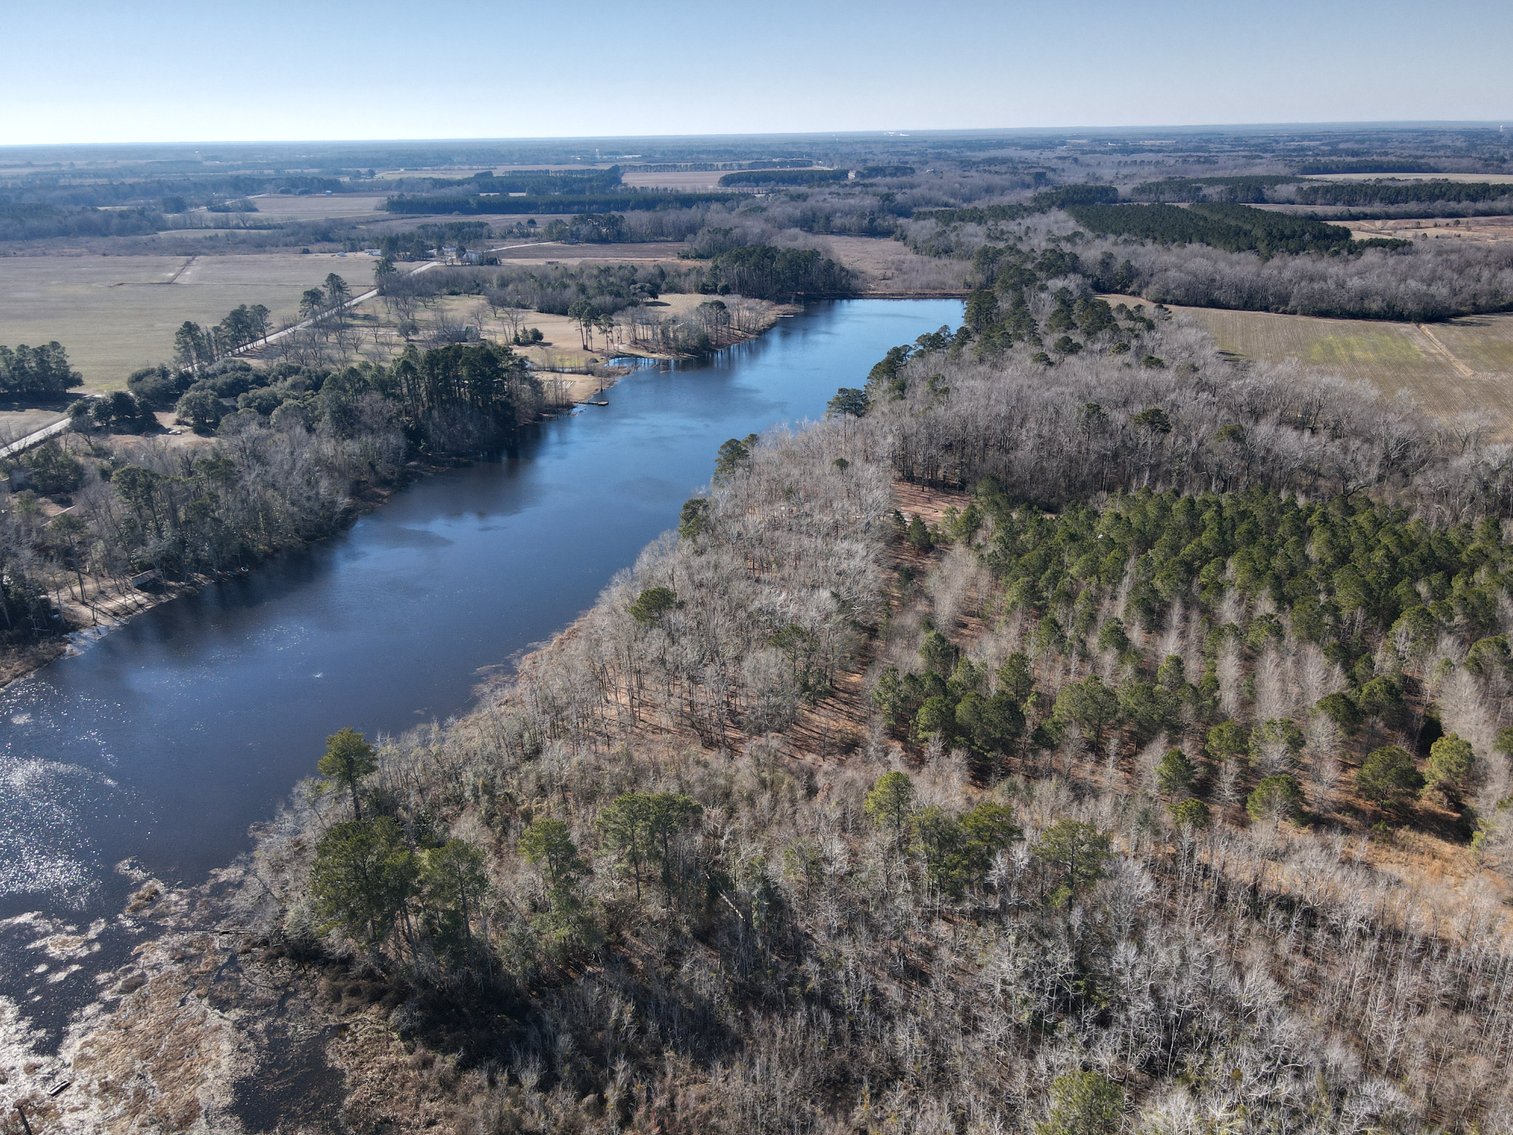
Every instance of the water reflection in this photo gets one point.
(167, 738)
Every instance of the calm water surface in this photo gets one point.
(164, 740)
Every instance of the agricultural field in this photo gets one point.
(400, 173)
(1462, 366)
(687, 180)
(318, 207)
(115, 314)
(556, 252)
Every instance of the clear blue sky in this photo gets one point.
(165, 70)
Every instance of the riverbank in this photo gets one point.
(586, 385)
(170, 737)
(93, 606)
(222, 1019)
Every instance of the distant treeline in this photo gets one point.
(417, 243)
(1400, 192)
(1367, 165)
(34, 221)
(162, 194)
(541, 182)
(1246, 190)
(473, 203)
(1235, 228)
(754, 271)
(698, 167)
(762, 178)
(1061, 197)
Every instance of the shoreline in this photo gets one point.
(114, 610)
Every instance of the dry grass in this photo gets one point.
(278, 207)
(890, 267)
(17, 422)
(115, 314)
(1464, 366)
(555, 252)
(471, 171)
(1481, 229)
(684, 179)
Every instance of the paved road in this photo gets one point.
(21, 445)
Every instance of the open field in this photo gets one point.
(686, 179)
(890, 267)
(281, 207)
(555, 252)
(115, 314)
(885, 267)
(1464, 366)
(1434, 228)
(471, 171)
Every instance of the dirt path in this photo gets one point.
(1445, 353)
(184, 267)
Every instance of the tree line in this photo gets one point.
(296, 447)
(1234, 228)
(36, 372)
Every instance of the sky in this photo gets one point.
(169, 71)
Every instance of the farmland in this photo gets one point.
(1462, 366)
(282, 207)
(115, 314)
(556, 252)
(687, 180)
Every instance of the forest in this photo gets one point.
(1054, 742)
(1079, 731)
(1234, 228)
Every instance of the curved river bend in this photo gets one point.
(165, 740)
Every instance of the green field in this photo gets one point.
(115, 314)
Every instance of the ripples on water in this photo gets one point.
(48, 807)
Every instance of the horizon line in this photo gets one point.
(880, 132)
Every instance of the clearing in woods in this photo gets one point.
(1481, 229)
(887, 267)
(115, 314)
(317, 207)
(1463, 366)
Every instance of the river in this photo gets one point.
(151, 751)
